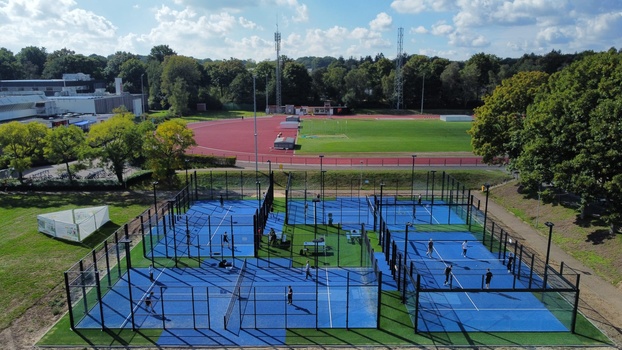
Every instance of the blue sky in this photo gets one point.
(244, 29)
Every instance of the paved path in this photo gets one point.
(600, 301)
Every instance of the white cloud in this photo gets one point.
(382, 22)
(464, 39)
(441, 29)
(419, 6)
(419, 30)
(248, 24)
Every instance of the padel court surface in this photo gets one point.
(245, 302)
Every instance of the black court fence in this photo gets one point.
(92, 277)
(557, 290)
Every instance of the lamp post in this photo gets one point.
(412, 179)
(155, 206)
(322, 182)
(487, 185)
(255, 123)
(548, 246)
(432, 202)
(381, 204)
(258, 193)
(142, 93)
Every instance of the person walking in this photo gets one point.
(308, 270)
(447, 274)
(149, 303)
(419, 199)
(430, 248)
(510, 262)
(465, 245)
(290, 295)
(225, 239)
(488, 278)
(151, 272)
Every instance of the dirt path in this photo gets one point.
(600, 301)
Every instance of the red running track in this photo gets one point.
(236, 137)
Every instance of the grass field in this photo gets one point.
(32, 263)
(382, 135)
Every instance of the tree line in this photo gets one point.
(560, 130)
(112, 144)
(179, 82)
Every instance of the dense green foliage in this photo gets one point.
(172, 80)
(570, 134)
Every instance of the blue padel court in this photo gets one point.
(237, 272)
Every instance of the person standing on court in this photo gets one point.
(430, 248)
(151, 272)
(149, 303)
(488, 278)
(290, 295)
(222, 201)
(419, 199)
(465, 245)
(225, 238)
(447, 273)
(510, 262)
(308, 270)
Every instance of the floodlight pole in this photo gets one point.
(269, 167)
(155, 206)
(381, 206)
(322, 182)
(487, 186)
(432, 202)
(412, 179)
(142, 94)
(255, 123)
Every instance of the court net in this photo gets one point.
(235, 295)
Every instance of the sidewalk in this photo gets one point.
(600, 301)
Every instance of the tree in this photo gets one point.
(32, 60)
(296, 84)
(9, 66)
(572, 133)
(131, 72)
(178, 98)
(67, 61)
(356, 86)
(159, 52)
(21, 143)
(498, 125)
(165, 148)
(115, 142)
(184, 68)
(63, 145)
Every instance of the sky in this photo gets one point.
(245, 29)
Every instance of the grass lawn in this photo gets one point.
(382, 135)
(32, 263)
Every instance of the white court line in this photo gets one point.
(330, 311)
(459, 284)
(141, 300)
(220, 224)
(429, 212)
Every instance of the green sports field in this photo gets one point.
(382, 135)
